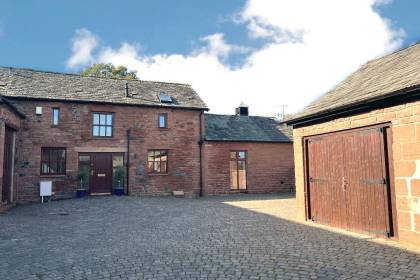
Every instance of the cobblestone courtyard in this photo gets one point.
(168, 238)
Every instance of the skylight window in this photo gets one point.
(165, 98)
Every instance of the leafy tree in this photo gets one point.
(108, 70)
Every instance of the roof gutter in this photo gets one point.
(242, 141)
(104, 102)
(392, 99)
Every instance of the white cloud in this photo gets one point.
(217, 46)
(84, 42)
(311, 45)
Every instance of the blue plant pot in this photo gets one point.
(119, 192)
(81, 193)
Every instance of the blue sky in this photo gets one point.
(222, 40)
(38, 34)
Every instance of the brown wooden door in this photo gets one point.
(8, 165)
(101, 173)
(327, 197)
(347, 186)
(365, 182)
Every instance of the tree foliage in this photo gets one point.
(108, 70)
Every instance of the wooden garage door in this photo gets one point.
(347, 186)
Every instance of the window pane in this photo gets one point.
(164, 167)
(233, 175)
(162, 121)
(156, 167)
(45, 168)
(242, 175)
(232, 155)
(157, 155)
(150, 166)
(108, 131)
(241, 155)
(118, 166)
(61, 154)
(117, 161)
(53, 161)
(95, 118)
(102, 119)
(150, 156)
(102, 131)
(44, 155)
(95, 130)
(84, 159)
(56, 116)
(157, 161)
(109, 119)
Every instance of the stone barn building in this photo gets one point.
(101, 135)
(245, 153)
(357, 151)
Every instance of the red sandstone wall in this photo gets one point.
(270, 167)
(74, 132)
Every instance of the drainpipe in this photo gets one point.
(128, 161)
(200, 144)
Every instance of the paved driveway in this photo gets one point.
(169, 238)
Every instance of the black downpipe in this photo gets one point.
(200, 144)
(128, 161)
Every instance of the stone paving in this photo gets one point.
(176, 238)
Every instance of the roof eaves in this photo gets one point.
(247, 140)
(13, 107)
(354, 106)
(107, 103)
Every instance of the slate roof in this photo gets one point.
(396, 73)
(33, 84)
(12, 107)
(245, 129)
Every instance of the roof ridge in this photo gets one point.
(96, 77)
(409, 46)
(227, 115)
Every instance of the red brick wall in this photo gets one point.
(269, 166)
(74, 132)
(405, 126)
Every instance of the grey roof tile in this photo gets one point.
(27, 83)
(245, 128)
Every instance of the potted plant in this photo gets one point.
(83, 177)
(119, 178)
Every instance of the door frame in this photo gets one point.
(112, 154)
(12, 163)
(237, 176)
(388, 166)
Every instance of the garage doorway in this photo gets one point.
(347, 180)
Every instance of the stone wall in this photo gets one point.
(75, 134)
(269, 166)
(405, 125)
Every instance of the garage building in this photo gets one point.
(357, 151)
